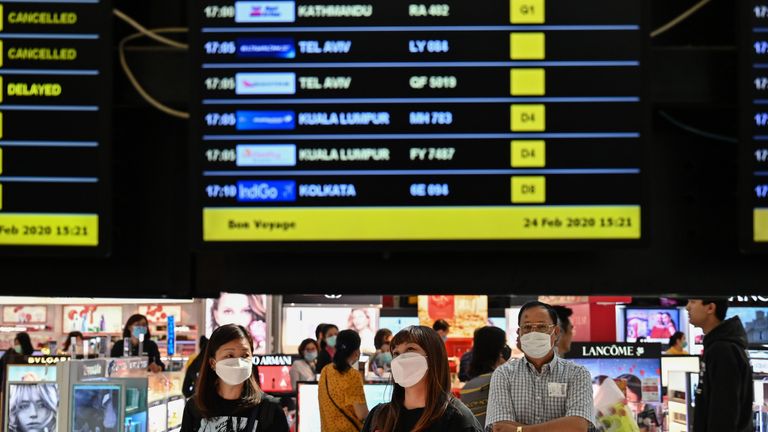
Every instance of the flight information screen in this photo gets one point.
(383, 120)
(754, 114)
(55, 84)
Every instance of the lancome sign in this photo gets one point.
(615, 350)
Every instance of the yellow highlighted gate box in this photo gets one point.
(527, 46)
(761, 225)
(528, 153)
(527, 12)
(527, 82)
(421, 223)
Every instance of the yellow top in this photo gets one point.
(189, 362)
(346, 389)
(675, 351)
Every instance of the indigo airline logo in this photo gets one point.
(266, 191)
(266, 120)
(265, 11)
(266, 83)
(266, 48)
(266, 155)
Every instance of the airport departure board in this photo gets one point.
(391, 120)
(754, 118)
(55, 87)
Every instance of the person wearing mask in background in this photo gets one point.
(421, 395)
(68, 342)
(677, 344)
(489, 351)
(340, 390)
(442, 328)
(228, 396)
(22, 348)
(327, 347)
(382, 358)
(539, 392)
(138, 325)
(725, 393)
(193, 369)
(303, 369)
(566, 329)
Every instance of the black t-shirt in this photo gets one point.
(457, 418)
(323, 360)
(230, 416)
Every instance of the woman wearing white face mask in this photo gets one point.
(342, 400)
(304, 368)
(227, 396)
(421, 397)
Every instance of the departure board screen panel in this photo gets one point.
(55, 82)
(754, 126)
(380, 120)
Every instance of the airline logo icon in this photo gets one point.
(266, 48)
(266, 83)
(266, 155)
(266, 191)
(265, 11)
(266, 120)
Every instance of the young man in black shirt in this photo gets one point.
(725, 392)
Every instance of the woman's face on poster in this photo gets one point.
(233, 309)
(32, 414)
(359, 320)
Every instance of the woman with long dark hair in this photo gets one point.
(327, 346)
(421, 397)
(340, 390)
(489, 351)
(227, 396)
(68, 342)
(136, 326)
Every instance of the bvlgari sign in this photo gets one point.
(614, 350)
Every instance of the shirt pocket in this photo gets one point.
(556, 405)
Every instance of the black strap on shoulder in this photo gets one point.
(253, 418)
(354, 423)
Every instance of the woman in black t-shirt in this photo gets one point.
(421, 374)
(227, 396)
(327, 347)
(137, 325)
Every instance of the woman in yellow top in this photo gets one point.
(341, 396)
(677, 344)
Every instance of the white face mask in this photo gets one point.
(536, 345)
(409, 368)
(234, 371)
